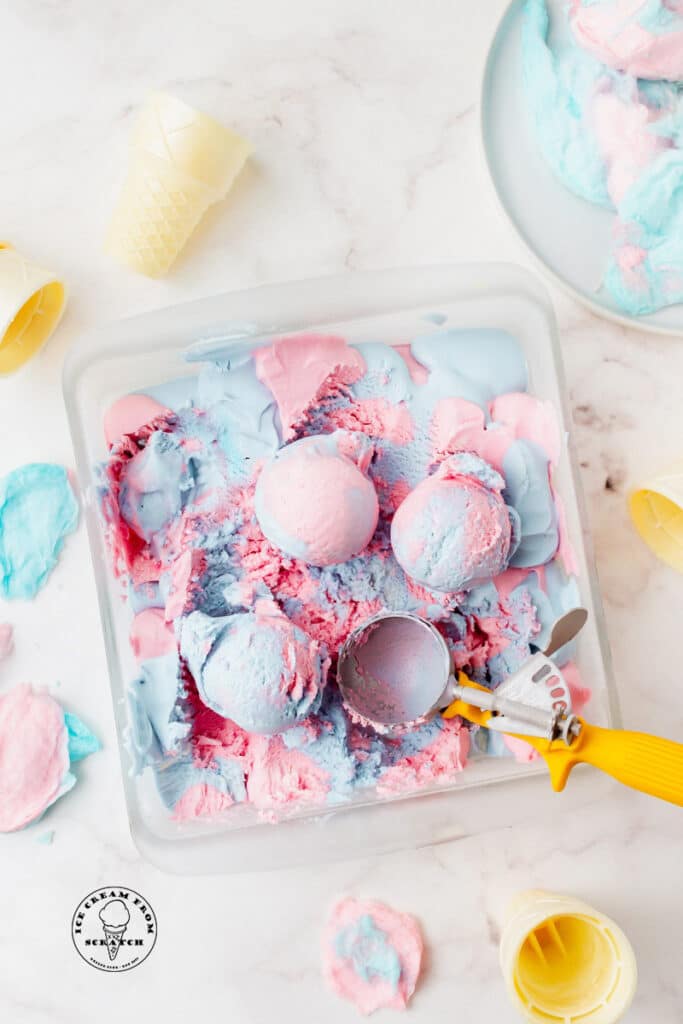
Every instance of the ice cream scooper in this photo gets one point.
(396, 669)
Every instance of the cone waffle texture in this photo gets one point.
(32, 300)
(181, 162)
(657, 511)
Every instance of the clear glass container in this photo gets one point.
(388, 305)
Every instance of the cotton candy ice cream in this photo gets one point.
(255, 668)
(229, 710)
(455, 530)
(314, 500)
(372, 954)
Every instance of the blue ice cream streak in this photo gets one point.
(368, 949)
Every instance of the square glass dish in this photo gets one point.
(391, 306)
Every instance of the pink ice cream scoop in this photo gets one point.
(314, 499)
(454, 529)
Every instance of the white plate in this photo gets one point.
(569, 236)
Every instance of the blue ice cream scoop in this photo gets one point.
(256, 668)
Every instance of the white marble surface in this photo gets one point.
(364, 120)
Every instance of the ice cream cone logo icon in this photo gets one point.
(114, 916)
(114, 928)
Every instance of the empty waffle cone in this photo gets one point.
(564, 962)
(657, 512)
(181, 162)
(31, 303)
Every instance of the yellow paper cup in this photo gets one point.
(657, 511)
(564, 962)
(181, 161)
(32, 301)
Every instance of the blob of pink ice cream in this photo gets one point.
(611, 30)
(279, 776)
(130, 413)
(34, 756)
(459, 425)
(296, 381)
(371, 954)
(314, 500)
(201, 801)
(151, 636)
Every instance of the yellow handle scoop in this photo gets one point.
(643, 762)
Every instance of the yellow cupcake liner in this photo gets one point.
(32, 301)
(657, 512)
(564, 962)
(181, 162)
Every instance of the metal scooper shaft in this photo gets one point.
(544, 723)
(551, 724)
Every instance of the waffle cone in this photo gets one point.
(181, 162)
(31, 303)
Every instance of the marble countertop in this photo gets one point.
(364, 122)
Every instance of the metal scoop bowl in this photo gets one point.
(396, 670)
